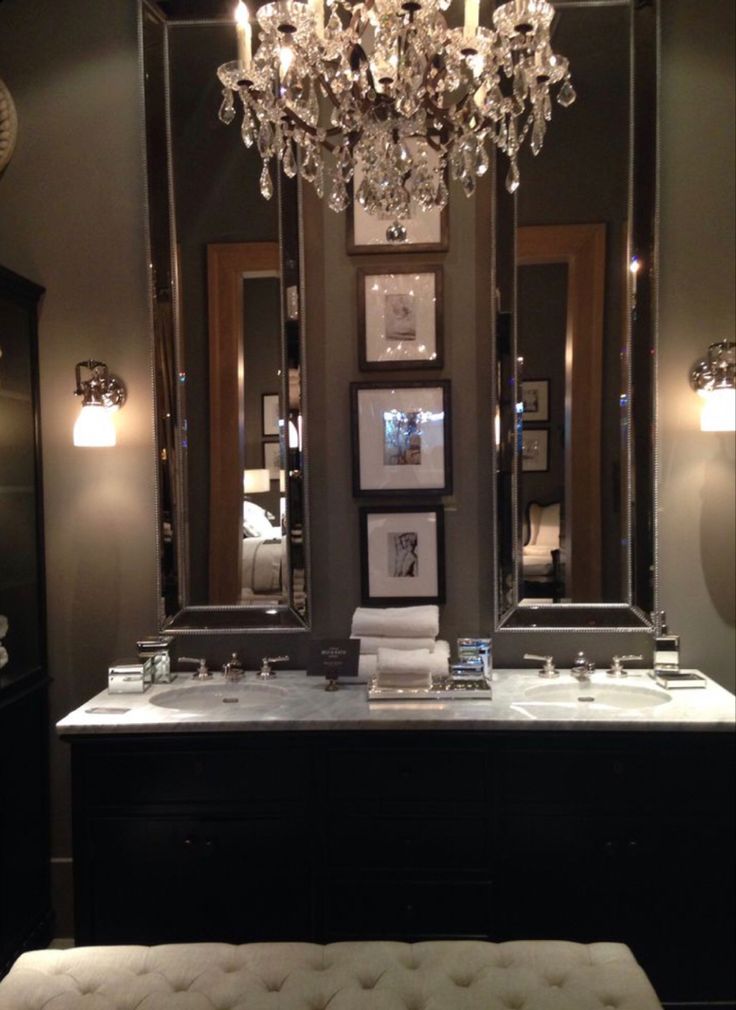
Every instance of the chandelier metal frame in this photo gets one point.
(388, 97)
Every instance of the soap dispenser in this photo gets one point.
(666, 647)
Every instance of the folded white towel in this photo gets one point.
(370, 644)
(440, 660)
(397, 622)
(403, 660)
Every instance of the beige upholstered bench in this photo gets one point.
(441, 975)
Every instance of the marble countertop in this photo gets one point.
(292, 701)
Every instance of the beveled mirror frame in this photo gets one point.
(516, 246)
(225, 275)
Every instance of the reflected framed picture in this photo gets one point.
(402, 555)
(421, 231)
(270, 414)
(272, 459)
(535, 450)
(401, 438)
(400, 318)
(535, 398)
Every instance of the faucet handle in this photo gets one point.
(617, 669)
(266, 662)
(202, 672)
(548, 670)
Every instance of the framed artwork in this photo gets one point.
(400, 318)
(272, 459)
(401, 438)
(402, 555)
(535, 397)
(270, 414)
(535, 450)
(421, 231)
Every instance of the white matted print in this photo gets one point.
(272, 459)
(400, 318)
(423, 230)
(401, 438)
(402, 555)
(269, 414)
(535, 450)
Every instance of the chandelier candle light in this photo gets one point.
(387, 96)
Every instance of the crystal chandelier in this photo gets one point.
(387, 96)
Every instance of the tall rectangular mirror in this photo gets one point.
(227, 318)
(576, 341)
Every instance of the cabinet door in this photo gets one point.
(557, 878)
(682, 918)
(171, 880)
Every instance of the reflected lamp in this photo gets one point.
(714, 378)
(102, 394)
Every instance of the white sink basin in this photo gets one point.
(595, 695)
(197, 697)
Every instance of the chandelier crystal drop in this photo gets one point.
(389, 98)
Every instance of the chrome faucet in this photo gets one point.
(582, 668)
(202, 673)
(266, 670)
(233, 670)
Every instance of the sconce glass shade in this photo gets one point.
(714, 378)
(719, 410)
(256, 481)
(94, 428)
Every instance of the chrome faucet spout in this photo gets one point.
(582, 668)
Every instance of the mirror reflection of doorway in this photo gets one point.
(243, 281)
(561, 280)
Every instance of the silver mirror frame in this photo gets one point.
(635, 613)
(220, 619)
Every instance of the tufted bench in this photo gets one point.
(439, 975)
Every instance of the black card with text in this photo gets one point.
(333, 657)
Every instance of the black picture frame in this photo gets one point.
(427, 323)
(540, 387)
(376, 553)
(379, 472)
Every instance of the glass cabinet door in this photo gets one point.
(22, 617)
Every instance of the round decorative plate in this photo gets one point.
(8, 126)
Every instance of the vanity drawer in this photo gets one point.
(368, 908)
(230, 775)
(574, 778)
(407, 774)
(452, 842)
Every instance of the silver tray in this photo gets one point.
(461, 689)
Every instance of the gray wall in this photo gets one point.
(72, 219)
(697, 306)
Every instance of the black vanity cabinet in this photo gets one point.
(25, 905)
(414, 835)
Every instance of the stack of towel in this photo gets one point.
(399, 646)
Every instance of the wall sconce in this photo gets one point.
(256, 482)
(102, 394)
(714, 378)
